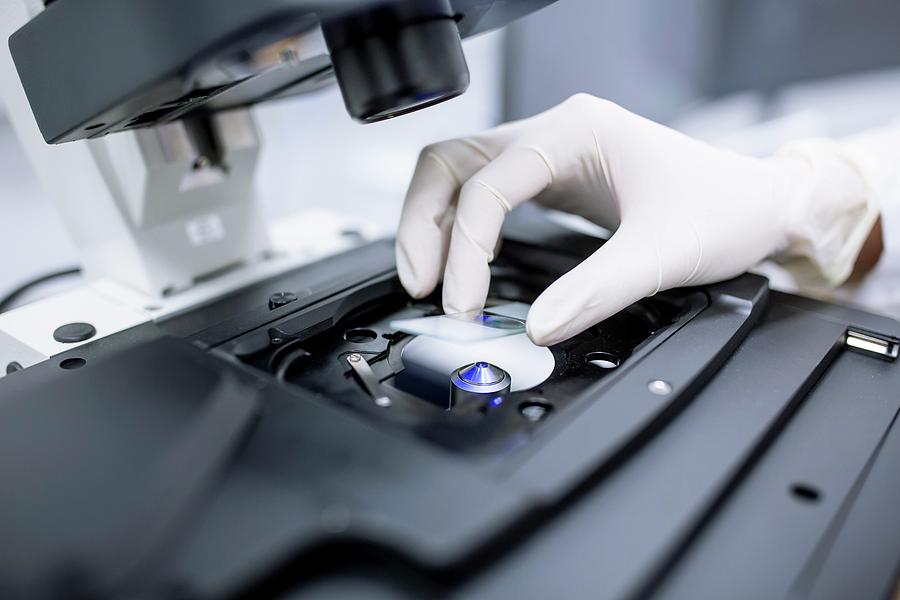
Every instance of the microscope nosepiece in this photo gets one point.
(397, 58)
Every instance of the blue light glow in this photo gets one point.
(496, 400)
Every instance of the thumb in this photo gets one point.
(625, 270)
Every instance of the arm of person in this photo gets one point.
(878, 152)
(684, 213)
(870, 254)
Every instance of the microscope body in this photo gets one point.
(137, 119)
(168, 200)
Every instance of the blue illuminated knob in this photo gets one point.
(481, 373)
(480, 381)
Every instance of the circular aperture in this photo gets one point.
(360, 336)
(70, 364)
(602, 360)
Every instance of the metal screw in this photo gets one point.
(279, 299)
(535, 411)
(383, 402)
(660, 387)
(277, 340)
(354, 357)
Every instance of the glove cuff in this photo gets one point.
(833, 211)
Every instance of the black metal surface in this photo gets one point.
(767, 471)
(175, 487)
(620, 537)
(804, 485)
(94, 454)
(123, 64)
(866, 528)
(248, 309)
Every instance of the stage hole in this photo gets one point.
(360, 336)
(806, 492)
(603, 360)
(70, 364)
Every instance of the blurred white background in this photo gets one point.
(314, 155)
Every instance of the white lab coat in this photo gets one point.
(879, 291)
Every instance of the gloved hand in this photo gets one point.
(684, 213)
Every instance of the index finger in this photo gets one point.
(423, 234)
(517, 175)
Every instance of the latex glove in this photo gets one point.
(684, 212)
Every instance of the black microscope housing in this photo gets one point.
(120, 65)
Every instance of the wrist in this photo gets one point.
(830, 211)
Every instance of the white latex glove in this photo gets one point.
(684, 212)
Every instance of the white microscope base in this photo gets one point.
(26, 333)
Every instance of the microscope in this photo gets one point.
(208, 417)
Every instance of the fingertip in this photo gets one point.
(466, 294)
(543, 325)
(415, 288)
(538, 335)
(467, 277)
(417, 293)
(454, 304)
(565, 309)
(411, 282)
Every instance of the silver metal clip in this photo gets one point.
(885, 348)
(369, 379)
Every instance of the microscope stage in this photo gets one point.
(308, 447)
